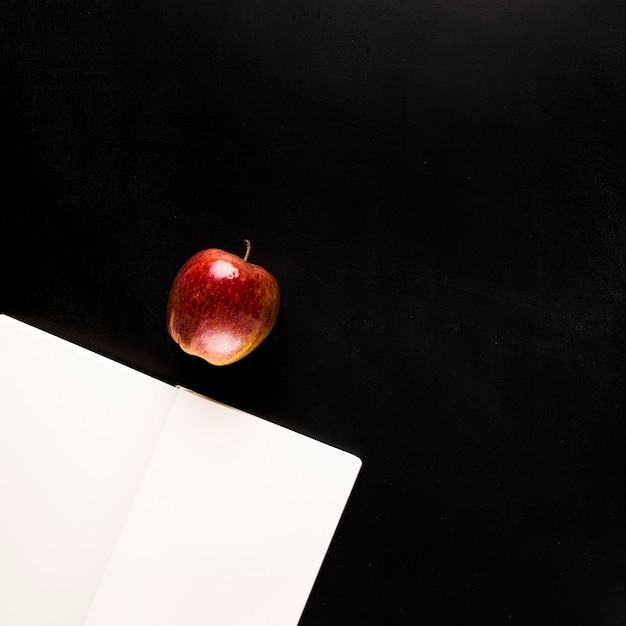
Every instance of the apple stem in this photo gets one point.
(248, 246)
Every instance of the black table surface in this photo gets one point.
(439, 188)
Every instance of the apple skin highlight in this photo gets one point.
(221, 307)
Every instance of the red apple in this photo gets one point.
(221, 307)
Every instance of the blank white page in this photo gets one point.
(76, 434)
(230, 524)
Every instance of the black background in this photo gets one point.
(438, 187)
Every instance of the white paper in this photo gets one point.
(76, 433)
(230, 525)
(135, 503)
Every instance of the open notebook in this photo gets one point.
(125, 501)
